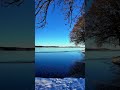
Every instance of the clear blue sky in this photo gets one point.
(56, 33)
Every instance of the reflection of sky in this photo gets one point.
(58, 63)
(56, 32)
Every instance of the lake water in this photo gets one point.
(14, 73)
(17, 56)
(56, 62)
(101, 71)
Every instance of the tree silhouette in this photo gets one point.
(77, 35)
(102, 22)
(67, 7)
(71, 9)
(7, 3)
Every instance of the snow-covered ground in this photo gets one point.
(59, 84)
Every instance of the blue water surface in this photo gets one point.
(56, 62)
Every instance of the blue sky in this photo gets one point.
(56, 33)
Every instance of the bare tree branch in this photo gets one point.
(7, 3)
(68, 8)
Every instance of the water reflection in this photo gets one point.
(101, 73)
(78, 69)
(16, 70)
(52, 64)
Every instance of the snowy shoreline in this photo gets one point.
(59, 84)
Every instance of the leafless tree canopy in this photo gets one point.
(67, 7)
(71, 9)
(77, 35)
(102, 23)
(7, 3)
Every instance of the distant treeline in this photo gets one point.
(46, 46)
(16, 49)
(61, 46)
(101, 49)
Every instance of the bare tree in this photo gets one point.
(67, 7)
(77, 35)
(102, 23)
(71, 9)
(7, 3)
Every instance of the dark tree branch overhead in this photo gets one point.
(71, 9)
(77, 35)
(7, 3)
(102, 21)
(67, 7)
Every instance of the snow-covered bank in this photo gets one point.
(59, 84)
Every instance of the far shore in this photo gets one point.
(16, 49)
(59, 46)
(17, 62)
(101, 49)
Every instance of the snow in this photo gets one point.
(59, 84)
